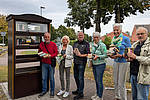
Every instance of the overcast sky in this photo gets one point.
(57, 10)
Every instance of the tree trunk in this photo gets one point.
(117, 14)
(82, 28)
(98, 17)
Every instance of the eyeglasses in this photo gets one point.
(140, 33)
(95, 37)
(115, 33)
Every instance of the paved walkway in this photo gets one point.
(88, 91)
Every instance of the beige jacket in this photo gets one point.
(144, 59)
(69, 56)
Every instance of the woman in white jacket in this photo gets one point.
(65, 57)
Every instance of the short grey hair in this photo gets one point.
(68, 39)
(96, 34)
(118, 25)
(142, 28)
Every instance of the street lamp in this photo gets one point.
(41, 7)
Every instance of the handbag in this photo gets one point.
(53, 60)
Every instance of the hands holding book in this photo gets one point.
(44, 55)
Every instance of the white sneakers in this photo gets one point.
(60, 92)
(65, 94)
(95, 97)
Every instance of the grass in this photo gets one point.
(29, 52)
(3, 73)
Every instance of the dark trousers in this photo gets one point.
(79, 70)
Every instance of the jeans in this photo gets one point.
(79, 70)
(143, 91)
(133, 80)
(98, 71)
(48, 72)
(61, 76)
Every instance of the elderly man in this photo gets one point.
(81, 50)
(48, 47)
(142, 46)
(120, 64)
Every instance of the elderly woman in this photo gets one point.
(120, 64)
(99, 53)
(65, 62)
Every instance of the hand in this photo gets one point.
(95, 56)
(118, 55)
(131, 55)
(64, 56)
(78, 54)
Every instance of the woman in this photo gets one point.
(99, 53)
(120, 65)
(65, 62)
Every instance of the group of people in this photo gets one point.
(138, 60)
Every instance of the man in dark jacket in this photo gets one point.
(81, 50)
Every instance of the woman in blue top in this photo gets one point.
(99, 53)
(120, 64)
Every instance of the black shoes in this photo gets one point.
(52, 95)
(79, 96)
(75, 92)
(41, 94)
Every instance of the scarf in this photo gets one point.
(117, 40)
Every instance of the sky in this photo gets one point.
(57, 10)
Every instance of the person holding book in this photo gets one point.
(65, 58)
(140, 65)
(99, 53)
(81, 51)
(120, 65)
(49, 50)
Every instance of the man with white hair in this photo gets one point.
(140, 79)
(120, 64)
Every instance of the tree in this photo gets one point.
(124, 8)
(62, 30)
(82, 11)
(3, 28)
(79, 14)
(107, 41)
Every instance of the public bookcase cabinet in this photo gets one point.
(25, 33)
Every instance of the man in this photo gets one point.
(48, 47)
(81, 50)
(143, 58)
(120, 64)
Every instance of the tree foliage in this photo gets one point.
(82, 11)
(3, 28)
(107, 41)
(125, 8)
(61, 31)
(79, 14)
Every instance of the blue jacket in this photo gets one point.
(124, 44)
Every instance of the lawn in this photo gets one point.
(3, 73)
(29, 52)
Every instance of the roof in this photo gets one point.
(29, 18)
